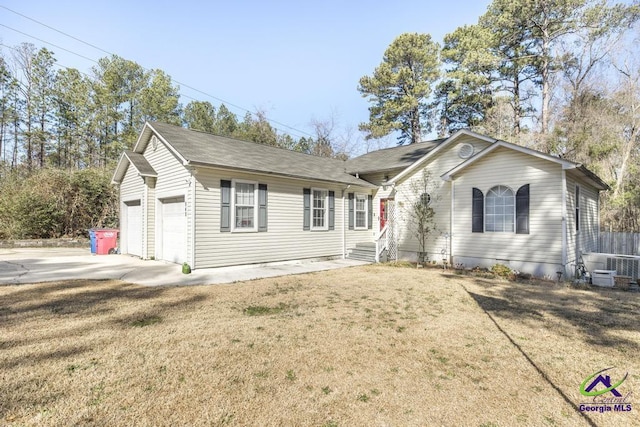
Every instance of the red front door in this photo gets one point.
(384, 203)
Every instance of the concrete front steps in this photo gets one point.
(363, 252)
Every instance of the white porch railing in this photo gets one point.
(382, 241)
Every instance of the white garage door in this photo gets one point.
(134, 227)
(174, 230)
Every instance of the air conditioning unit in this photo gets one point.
(624, 265)
(603, 278)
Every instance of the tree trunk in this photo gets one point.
(16, 127)
(516, 105)
(29, 145)
(415, 126)
(42, 141)
(626, 156)
(546, 93)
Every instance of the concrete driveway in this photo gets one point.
(32, 265)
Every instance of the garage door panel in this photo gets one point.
(174, 230)
(134, 227)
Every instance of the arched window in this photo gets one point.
(499, 209)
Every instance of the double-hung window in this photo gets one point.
(361, 211)
(319, 209)
(245, 200)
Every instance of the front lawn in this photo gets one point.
(365, 346)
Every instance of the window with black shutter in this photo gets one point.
(332, 210)
(477, 214)
(306, 202)
(351, 210)
(522, 210)
(225, 205)
(262, 207)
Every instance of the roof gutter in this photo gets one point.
(344, 222)
(195, 163)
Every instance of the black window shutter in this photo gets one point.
(351, 207)
(332, 210)
(262, 207)
(225, 205)
(370, 212)
(522, 210)
(577, 202)
(477, 214)
(306, 195)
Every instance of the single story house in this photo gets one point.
(211, 201)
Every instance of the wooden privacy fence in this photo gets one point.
(619, 243)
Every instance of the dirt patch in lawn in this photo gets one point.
(374, 345)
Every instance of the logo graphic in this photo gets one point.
(606, 381)
(598, 386)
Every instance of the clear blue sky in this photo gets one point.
(296, 60)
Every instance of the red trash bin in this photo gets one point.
(106, 241)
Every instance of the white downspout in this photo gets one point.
(564, 221)
(145, 219)
(344, 229)
(192, 220)
(451, 217)
(598, 221)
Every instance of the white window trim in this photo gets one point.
(326, 210)
(513, 231)
(235, 229)
(366, 211)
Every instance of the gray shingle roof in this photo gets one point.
(200, 148)
(391, 158)
(140, 163)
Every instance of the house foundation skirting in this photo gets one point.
(537, 269)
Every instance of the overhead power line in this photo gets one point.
(275, 122)
(89, 76)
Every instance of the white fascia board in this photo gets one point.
(145, 136)
(142, 140)
(441, 147)
(184, 161)
(121, 168)
(448, 176)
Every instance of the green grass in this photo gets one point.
(263, 310)
(146, 321)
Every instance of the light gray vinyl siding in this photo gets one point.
(132, 185)
(441, 200)
(131, 188)
(358, 236)
(510, 168)
(586, 239)
(173, 180)
(572, 235)
(285, 238)
(589, 217)
(478, 145)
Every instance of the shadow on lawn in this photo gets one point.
(64, 324)
(596, 314)
(505, 307)
(92, 305)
